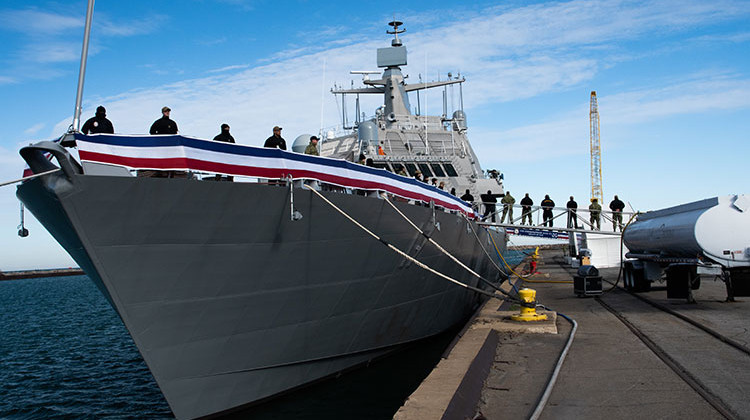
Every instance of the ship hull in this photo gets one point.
(230, 301)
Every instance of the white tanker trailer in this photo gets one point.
(710, 237)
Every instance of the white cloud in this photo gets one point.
(507, 54)
(147, 25)
(34, 129)
(229, 68)
(52, 52)
(554, 138)
(50, 38)
(39, 23)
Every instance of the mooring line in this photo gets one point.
(404, 254)
(29, 177)
(441, 249)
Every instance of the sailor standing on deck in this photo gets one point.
(98, 123)
(225, 137)
(508, 202)
(276, 141)
(164, 125)
(312, 148)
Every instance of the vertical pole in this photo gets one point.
(322, 100)
(76, 126)
(461, 95)
(445, 102)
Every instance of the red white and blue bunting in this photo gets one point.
(181, 153)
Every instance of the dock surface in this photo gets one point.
(30, 274)
(628, 358)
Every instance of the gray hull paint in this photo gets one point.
(229, 301)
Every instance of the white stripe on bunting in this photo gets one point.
(126, 151)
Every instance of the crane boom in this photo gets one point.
(597, 189)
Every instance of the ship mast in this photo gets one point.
(76, 126)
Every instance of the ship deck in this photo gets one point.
(628, 359)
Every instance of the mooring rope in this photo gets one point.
(29, 177)
(441, 249)
(479, 241)
(404, 254)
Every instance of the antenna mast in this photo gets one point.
(597, 189)
(76, 126)
(395, 23)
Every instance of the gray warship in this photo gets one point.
(236, 292)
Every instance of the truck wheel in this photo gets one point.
(640, 284)
(627, 276)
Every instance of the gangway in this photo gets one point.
(582, 215)
(550, 229)
(605, 244)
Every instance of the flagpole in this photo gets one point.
(76, 126)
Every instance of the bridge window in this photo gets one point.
(382, 165)
(411, 168)
(450, 170)
(425, 168)
(437, 169)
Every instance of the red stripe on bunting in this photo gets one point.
(182, 163)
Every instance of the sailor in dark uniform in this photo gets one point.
(98, 123)
(276, 141)
(489, 201)
(225, 137)
(164, 125)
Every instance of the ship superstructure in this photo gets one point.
(436, 146)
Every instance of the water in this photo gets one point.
(64, 353)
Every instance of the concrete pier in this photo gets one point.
(499, 370)
(30, 274)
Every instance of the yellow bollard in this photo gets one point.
(528, 307)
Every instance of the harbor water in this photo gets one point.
(64, 353)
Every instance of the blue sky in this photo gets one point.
(672, 78)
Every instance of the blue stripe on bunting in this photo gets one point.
(244, 150)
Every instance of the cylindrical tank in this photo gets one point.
(367, 132)
(459, 121)
(301, 142)
(717, 228)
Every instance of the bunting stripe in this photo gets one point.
(190, 154)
